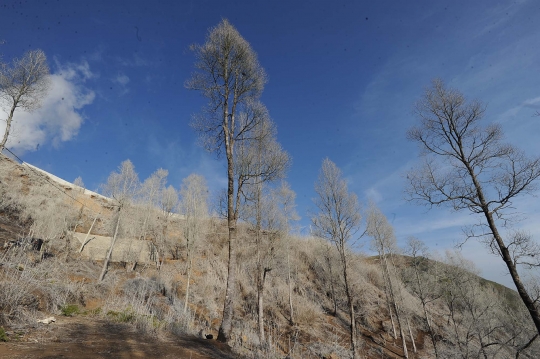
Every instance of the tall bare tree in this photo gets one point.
(122, 187)
(338, 221)
(467, 167)
(194, 207)
(23, 85)
(230, 77)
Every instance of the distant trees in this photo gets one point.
(122, 187)
(474, 318)
(150, 197)
(24, 84)
(230, 77)
(467, 167)
(384, 242)
(423, 282)
(338, 221)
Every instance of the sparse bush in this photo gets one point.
(3, 335)
(70, 310)
(125, 316)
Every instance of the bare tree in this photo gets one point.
(169, 200)
(24, 84)
(194, 207)
(472, 313)
(230, 77)
(338, 221)
(150, 196)
(122, 187)
(467, 167)
(384, 242)
(168, 204)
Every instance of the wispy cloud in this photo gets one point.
(122, 80)
(134, 61)
(60, 117)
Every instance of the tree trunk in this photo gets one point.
(230, 291)
(332, 288)
(507, 258)
(109, 253)
(291, 316)
(411, 335)
(430, 330)
(527, 300)
(260, 307)
(387, 294)
(190, 262)
(87, 234)
(226, 323)
(396, 307)
(351, 306)
(8, 124)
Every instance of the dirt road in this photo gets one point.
(82, 337)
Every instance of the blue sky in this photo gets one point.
(343, 78)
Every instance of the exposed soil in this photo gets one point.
(84, 337)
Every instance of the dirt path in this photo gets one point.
(82, 337)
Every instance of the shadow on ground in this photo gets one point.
(95, 338)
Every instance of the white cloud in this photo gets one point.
(59, 118)
(122, 80)
(74, 71)
(134, 61)
(373, 195)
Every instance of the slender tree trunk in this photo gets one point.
(332, 288)
(396, 308)
(190, 263)
(261, 270)
(260, 307)
(411, 335)
(430, 329)
(387, 294)
(391, 317)
(230, 291)
(291, 313)
(87, 234)
(400, 297)
(8, 124)
(351, 306)
(109, 253)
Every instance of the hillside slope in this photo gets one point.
(143, 298)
